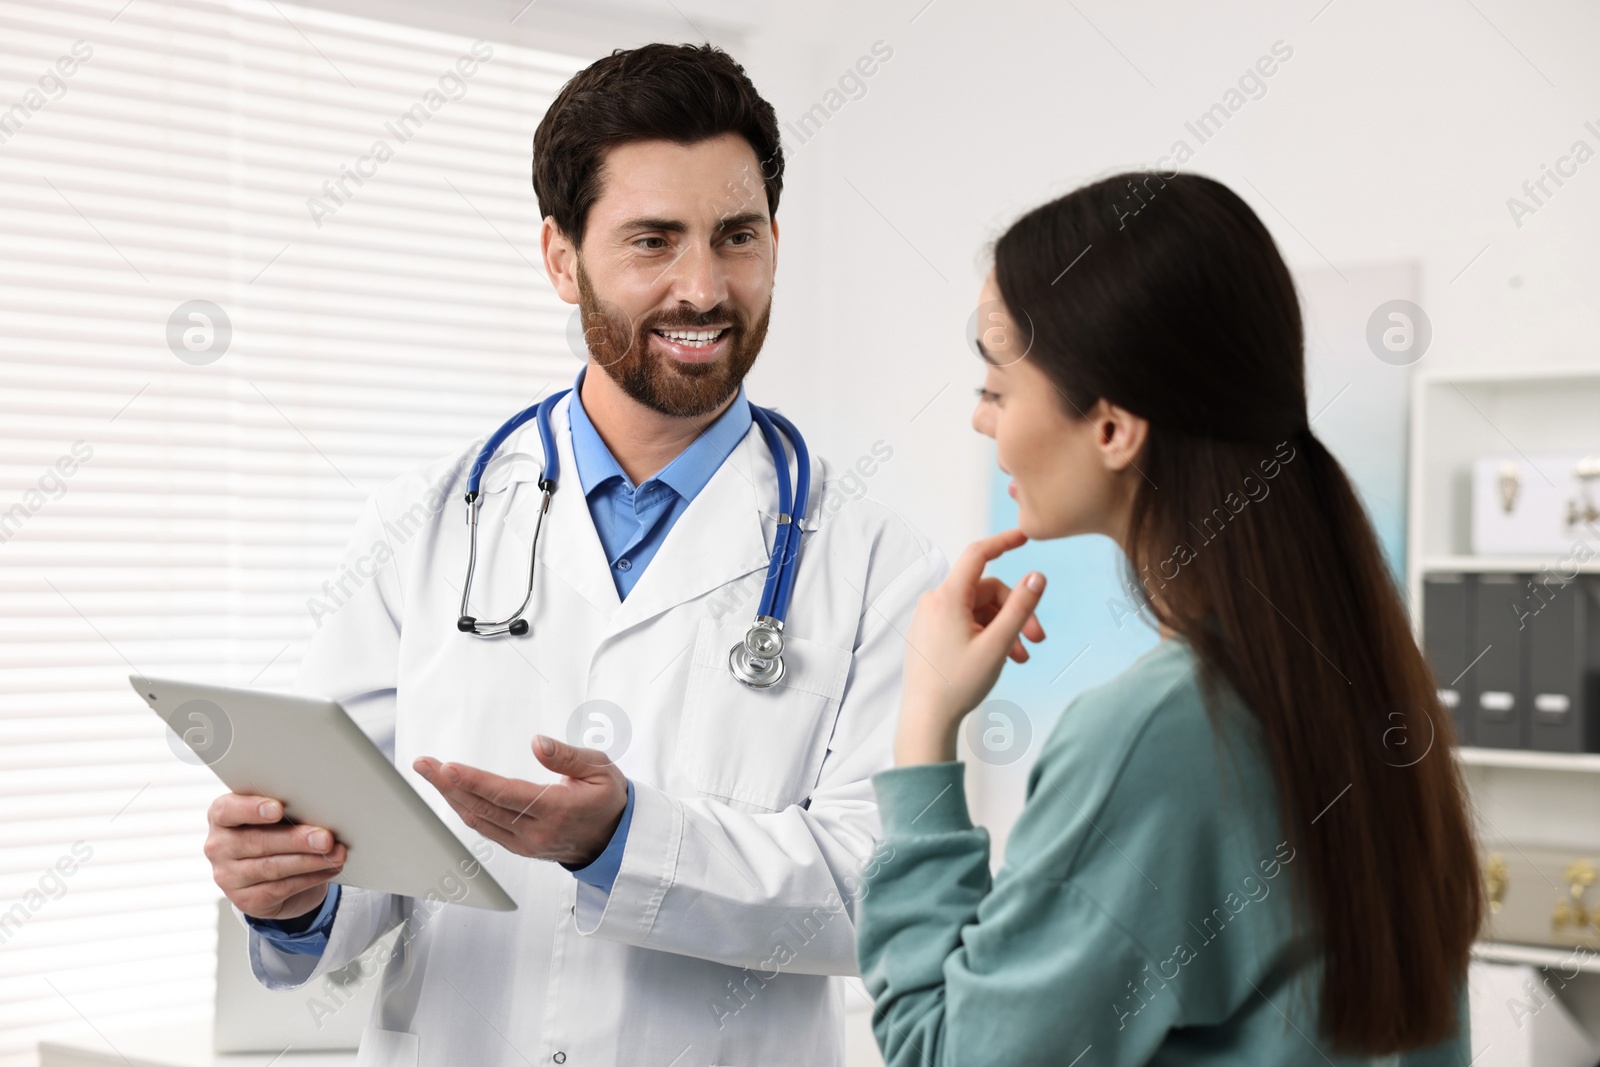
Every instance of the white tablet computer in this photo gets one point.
(309, 754)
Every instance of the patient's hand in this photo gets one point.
(269, 869)
(963, 632)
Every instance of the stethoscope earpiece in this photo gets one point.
(468, 625)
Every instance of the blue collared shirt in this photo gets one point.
(632, 522)
(308, 942)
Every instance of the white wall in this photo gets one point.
(1397, 130)
(1394, 133)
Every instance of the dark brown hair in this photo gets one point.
(682, 93)
(1182, 311)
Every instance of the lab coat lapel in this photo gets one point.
(725, 533)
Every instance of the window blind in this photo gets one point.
(257, 259)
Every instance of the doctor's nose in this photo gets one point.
(697, 279)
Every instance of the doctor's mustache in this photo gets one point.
(621, 347)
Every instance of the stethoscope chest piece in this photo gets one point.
(757, 661)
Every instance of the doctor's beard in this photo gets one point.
(660, 383)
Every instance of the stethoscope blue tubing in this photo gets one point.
(778, 588)
(547, 443)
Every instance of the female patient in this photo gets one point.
(1250, 847)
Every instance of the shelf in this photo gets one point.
(1586, 960)
(1529, 376)
(1515, 564)
(1522, 759)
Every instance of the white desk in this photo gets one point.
(175, 1046)
(190, 1046)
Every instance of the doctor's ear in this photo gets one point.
(560, 259)
(1119, 434)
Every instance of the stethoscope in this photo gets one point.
(757, 661)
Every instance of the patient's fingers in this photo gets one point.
(968, 567)
(990, 597)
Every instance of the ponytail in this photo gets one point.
(1190, 319)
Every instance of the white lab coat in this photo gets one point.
(753, 811)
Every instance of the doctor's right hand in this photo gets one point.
(269, 869)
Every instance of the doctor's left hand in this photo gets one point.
(568, 821)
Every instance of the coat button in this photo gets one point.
(560, 1057)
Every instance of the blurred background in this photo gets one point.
(239, 291)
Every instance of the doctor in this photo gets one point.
(686, 851)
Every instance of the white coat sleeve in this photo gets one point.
(772, 892)
(353, 658)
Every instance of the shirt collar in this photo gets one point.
(688, 472)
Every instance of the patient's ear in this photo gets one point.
(1119, 434)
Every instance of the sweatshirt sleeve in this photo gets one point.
(1022, 971)
(1145, 900)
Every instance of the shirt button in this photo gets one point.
(623, 565)
(560, 1057)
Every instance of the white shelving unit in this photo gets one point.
(1543, 799)
(1536, 956)
(1576, 762)
(1457, 418)
(1480, 564)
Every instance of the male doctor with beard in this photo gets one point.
(687, 882)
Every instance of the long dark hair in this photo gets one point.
(1165, 295)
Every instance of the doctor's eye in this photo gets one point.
(658, 245)
(987, 396)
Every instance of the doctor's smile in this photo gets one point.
(635, 733)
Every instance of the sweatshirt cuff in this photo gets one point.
(930, 798)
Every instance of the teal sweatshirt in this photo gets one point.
(1143, 912)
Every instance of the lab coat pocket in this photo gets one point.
(387, 1048)
(760, 749)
